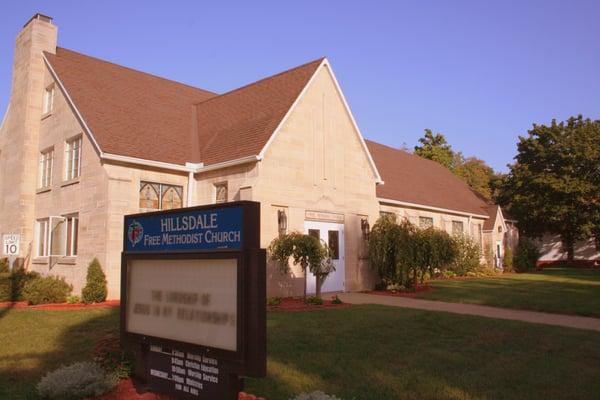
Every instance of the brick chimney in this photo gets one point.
(19, 133)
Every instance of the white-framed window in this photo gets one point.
(42, 237)
(425, 222)
(457, 227)
(73, 158)
(221, 192)
(57, 236)
(46, 164)
(158, 196)
(48, 100)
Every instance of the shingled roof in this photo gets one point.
(412, 179)
(134, 114)
(130, 113)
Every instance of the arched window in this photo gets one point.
(172, 197)
(149, 196)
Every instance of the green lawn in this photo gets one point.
(566, 291)
(363, 352)
(34, 342)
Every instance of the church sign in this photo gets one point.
(194, 299)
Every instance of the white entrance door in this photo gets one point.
(333, 235)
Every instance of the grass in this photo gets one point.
(555, 290)
(362, 352)
(34, 342)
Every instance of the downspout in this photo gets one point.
(190, 188)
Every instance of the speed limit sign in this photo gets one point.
(10, 244)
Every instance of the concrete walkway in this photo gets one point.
(570, 321)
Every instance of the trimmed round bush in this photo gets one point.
(76, 381)
(95, 290)
(46, 290)
(526, 255)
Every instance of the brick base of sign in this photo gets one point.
(127, 390)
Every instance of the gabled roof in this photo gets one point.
(239, 123)
(130, 113)
(492, 211)
(134, 114)
(412, 179)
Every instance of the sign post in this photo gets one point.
(193, 299)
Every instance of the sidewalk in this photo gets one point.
(569, 321)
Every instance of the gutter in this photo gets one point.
(430, 208)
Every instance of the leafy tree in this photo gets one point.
(435, 147)
(476, 173)
(306, 251)
(554, 185)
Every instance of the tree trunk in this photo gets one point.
(570, 245)
(319, 282)
(305, 283)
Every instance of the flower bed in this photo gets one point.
(126, 390)
(59, 306)
(291, 304)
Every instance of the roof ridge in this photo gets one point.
(131, 69)
(320, 60)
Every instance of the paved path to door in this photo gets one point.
(570, 321)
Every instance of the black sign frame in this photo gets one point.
(249, 358)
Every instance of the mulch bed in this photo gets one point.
(291, 304)
(395, 293)
(126, 390)
(59, 306)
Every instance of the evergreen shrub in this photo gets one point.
(95, 290)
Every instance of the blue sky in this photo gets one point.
(479, 72)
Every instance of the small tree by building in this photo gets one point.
(306, 251)
(95, 290)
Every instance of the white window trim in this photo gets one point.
(47, 223)
(74, 234)
(69, 165)
(38, 226)
(49, 93)
(43, 168)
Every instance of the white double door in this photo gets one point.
(332, 235)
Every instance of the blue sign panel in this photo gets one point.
(205, 229)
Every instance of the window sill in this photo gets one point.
(70, 182)
(43, 190)
(44, 116)
(67, 260)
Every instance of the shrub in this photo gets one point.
(468, 256)
(95, 290)
(76, 381)
(526, 255)
(336, 300)
(318, 395)
(73, 299)
(314, 300)
(3, 265)
(47, 289)
(508, 259)
(274, 301)
(11, 284)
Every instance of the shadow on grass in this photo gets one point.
(35, 342)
